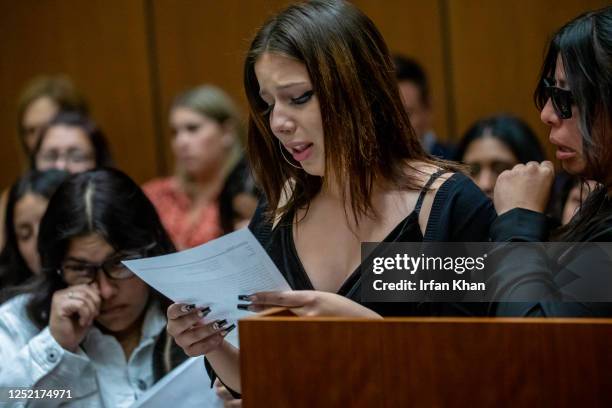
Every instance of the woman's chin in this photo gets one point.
(114, 323)
(575, 166)
(313, 169)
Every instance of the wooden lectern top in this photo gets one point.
(288, 361)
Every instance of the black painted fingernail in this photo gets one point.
(204, 311)
(187, 308)
(219, 324)
(246, 298)
(243, 306)
(229, 329)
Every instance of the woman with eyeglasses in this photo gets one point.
(575, 99)
(88, 324)
(71, 142)
(40, 100)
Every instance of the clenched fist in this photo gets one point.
(525, 186)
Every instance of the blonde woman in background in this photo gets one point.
(206, 130)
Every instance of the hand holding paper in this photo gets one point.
(213, 274)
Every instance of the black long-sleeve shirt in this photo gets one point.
(535, 271)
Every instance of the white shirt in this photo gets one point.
(97, 375)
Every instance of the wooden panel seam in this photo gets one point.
(154, 82)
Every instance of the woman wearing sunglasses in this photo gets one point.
(575, 99)
(88, 325)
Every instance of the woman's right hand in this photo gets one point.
(73, 311)
(525, 186)
(186, 325)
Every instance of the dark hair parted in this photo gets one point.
(585, 47)
(368, 138)
(407, 69)
(105, 202)
(13, 268)
(79, 120)
(511, 131)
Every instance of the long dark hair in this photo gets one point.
(585, 47)
(239, 181)
(106, 202)
(508, 129)
(102, 153)
(13, 268)
(367, 133)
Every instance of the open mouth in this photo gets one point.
(301, 152)
(300, 148)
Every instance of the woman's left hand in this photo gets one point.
(310, 303)
(224, 395)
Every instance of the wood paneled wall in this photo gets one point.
(102, 45)
(496, 53)
(201, 42)
(131, 57)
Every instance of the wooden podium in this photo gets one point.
(288, 361)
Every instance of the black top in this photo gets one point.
(563, 277)
(460, 212)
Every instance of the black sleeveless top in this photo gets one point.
(460, 212)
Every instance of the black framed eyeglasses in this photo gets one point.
(77, 273)
(562, 99)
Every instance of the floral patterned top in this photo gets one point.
(175, 208)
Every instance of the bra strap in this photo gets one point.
(425, 188)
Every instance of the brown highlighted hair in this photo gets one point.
(367, 134)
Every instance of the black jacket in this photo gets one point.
(580, 272)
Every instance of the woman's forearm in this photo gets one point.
(225, 360)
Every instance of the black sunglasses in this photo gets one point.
(562, 99)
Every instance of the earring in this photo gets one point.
(284, 157)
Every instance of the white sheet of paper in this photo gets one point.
(185, 386)
(213, 274)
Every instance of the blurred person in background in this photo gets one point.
(40, 100)
(206, 130)
(238, 199)
(568, 195)
(495, 144)
(576, 196)
(71, 142)
(414, 90)
(28, 199)
(87, 324)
